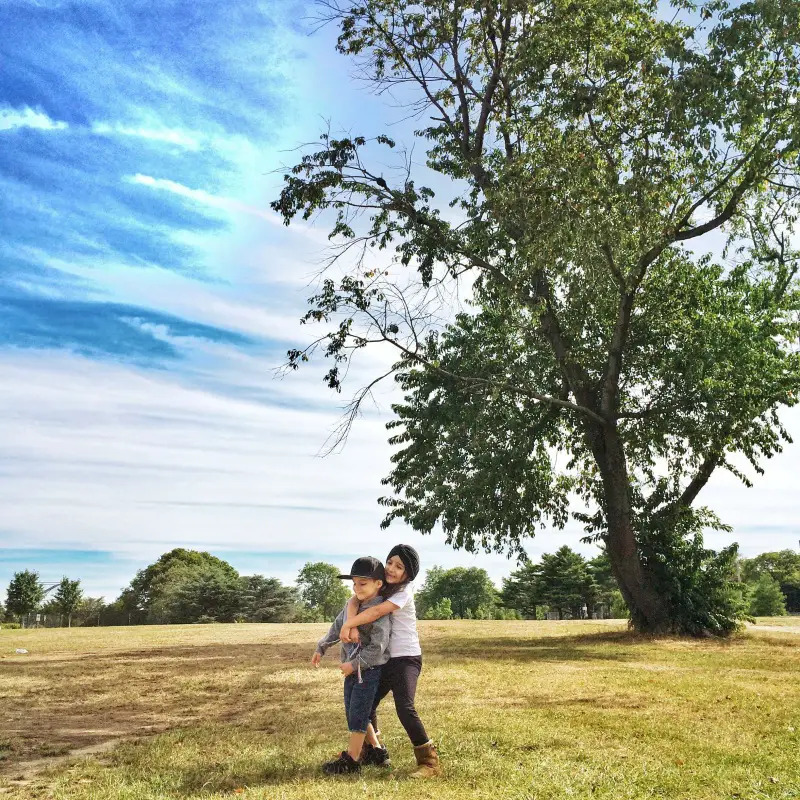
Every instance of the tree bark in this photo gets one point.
(649, 609)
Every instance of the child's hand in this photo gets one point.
(347, 669)
(316, 658)
(349, 634)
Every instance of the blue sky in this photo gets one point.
(147, 293)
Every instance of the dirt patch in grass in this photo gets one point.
(53, 705)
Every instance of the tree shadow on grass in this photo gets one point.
(602, 646)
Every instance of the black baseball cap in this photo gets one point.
(366, 567)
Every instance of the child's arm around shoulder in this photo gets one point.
(349, 632)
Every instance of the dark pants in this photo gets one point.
(399, 676)
(359, 698)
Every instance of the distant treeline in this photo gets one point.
(189, 586)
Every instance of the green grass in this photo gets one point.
(523, 710)
(789, 621)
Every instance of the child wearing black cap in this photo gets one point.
(401, 672)
(361, 661)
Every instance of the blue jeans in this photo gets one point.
(359, 697)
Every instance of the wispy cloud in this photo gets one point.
(180, 138)
(205, 198)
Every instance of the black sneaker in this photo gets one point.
(344, 765)
(375, 756)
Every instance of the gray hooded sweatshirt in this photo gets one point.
(372, 650)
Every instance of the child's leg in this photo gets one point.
(384, 687)
(354, 744)
(372, 736)
(404, 688)
(360, 700)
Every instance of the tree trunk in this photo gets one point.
(649, 609)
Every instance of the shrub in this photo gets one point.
(766, 598)
(619, 608)
(440, 610)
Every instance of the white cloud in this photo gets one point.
(228, 204)
(26, 117)
(188, 141)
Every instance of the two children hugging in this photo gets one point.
(380, 654)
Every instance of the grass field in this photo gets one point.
(523, 710)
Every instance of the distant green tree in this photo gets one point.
(203, 592)
(467, 588)
(90, 611)
(67, 598)
(561, 581)
(565, 582)
(521, 592)
(25, 593)
(766, 598)
(602, 573)
(50, 611)
(307, 614)
(618, 608)
(154, 588)
(321, 589)
(267, 600)
(425, 598)
(783, 566)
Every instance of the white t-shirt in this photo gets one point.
(404, 640)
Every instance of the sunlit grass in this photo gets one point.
(519, 709)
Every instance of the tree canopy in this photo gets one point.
(782, 566)
(24, 593)
(469, 590)
(625, 181)
(192, 586)
(562, 581)
(68, 597)
(157, 592)
(766, 598)
(321, 589)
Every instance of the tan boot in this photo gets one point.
(427, 761)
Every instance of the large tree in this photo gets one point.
(201, 594)
(24, 594)
(624, 186)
